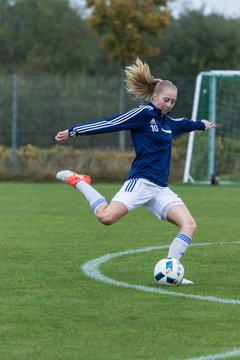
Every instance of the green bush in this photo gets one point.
(37, 164)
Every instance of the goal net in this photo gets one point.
(215, 156)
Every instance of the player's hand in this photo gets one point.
(208, 124)
(62, 136)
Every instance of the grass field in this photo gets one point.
(51, 310)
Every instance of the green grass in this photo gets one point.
(51, 310)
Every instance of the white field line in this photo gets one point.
(227, 355)
(91, 269)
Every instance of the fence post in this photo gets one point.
(14, 123)
(122, 134)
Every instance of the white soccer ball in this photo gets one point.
(168, 272)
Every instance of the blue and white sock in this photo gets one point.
(94, 198)
(179, 246)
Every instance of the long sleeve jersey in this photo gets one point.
(151, 134)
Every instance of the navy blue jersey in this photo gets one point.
(152, 138)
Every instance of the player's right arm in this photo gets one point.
(62, 135)
(131, 119)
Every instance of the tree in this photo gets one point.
(126, 26)
(46, 36)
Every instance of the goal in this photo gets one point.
(215, 158)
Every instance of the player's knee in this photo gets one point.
(108, 215)
(104, 216)
(105, 219)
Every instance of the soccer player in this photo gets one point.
(152, 130)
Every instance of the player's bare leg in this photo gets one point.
(181, 217)
(109, 214)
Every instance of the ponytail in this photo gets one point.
(140, 82)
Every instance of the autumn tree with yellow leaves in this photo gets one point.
(126, 25)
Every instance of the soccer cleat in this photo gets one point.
(186, 282)
(71, 178)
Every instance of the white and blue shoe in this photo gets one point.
(186, 282)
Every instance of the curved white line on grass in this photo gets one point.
(91, 269)
(226, 355)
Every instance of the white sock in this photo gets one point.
(93, 197)
(179, 246)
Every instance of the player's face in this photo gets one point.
(165, 101)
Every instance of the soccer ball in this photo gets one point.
(168, 271)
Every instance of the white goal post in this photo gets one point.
(216, 91)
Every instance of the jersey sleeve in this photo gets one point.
(126, 121)
(181, 126)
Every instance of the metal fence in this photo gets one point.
(34, 108)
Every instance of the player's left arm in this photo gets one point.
(181, 126)
(208, 124)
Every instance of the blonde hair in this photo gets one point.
(140, 82)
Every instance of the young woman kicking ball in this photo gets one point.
(152, 130)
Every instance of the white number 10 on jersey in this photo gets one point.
(154, 128)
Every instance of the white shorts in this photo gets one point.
(158, 200)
